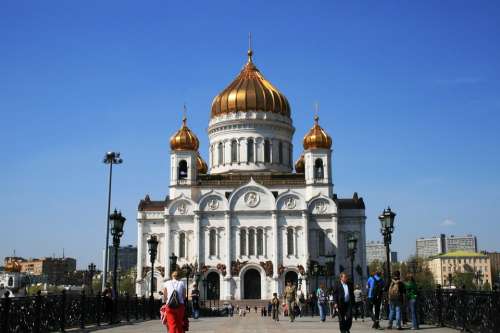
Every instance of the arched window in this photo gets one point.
(183, 170)
(289, 241)
(260, 242)
(251, 242)
(243, 242)
(250, 154)
(280, 152)
(321, 243)
(182, 245)
(318, 169)
(267, 151)
(212, 243)
(220, 153)
(234, 151)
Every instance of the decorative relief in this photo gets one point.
(222, 269)
(252, 199)
(290, 203)
(301, 269)
(268, 267)
(236, 267)
(204, 269)
(320, 207)
(182, 208)
(213, 204)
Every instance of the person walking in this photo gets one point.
(290, 296)
(173, 294)
(359, 310)
(275, 303)
(411, 296)
(322, 301)
(375, 287)
(195, 301)
(396, 294)
(331, 304)
(343, 298)
(301, 302)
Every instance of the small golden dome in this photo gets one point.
(317, 137)
(201, 165)
(184, 139)
(250, 91)
(300, 165)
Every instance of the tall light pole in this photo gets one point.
(352, 243)
(110, 158)
(153, 250)
(91, 272)
(387, 228)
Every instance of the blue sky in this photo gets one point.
(409, 91)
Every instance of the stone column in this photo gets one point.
(227, 278)
(139, 251)
(274, 218)
(264, 240)
(166, 248)
(197, 239)
(305, 220)
(217, 243)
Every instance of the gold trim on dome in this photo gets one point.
(300, 164)
(201, 165)
(317, 137)
(250, 91)
(184, 139)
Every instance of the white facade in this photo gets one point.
(250, 223)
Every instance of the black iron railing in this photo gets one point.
(465, 310)
(63, 311)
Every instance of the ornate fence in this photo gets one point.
(60, 312)
(465, 310)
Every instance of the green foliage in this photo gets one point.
(376, 265)
(487, 286)
(465, 279)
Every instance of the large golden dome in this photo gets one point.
(300, 165)
(317, 137)
(184, 139)
(250, 91)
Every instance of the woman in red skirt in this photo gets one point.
(175, 315)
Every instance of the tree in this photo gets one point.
(465, 279)
(487, 286)
(376, 266)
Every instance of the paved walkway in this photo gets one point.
(253, 323)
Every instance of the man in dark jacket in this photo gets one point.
(343, 299)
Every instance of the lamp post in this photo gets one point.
(352, 243)
(173, 263)
(187, 270)
(330, 267)
(117, 222)
(91, 272)
(110, 158)
(152, 250)
(387, 228)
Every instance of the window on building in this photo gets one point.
(220, 153)
(260, 242)
(182, 245)
(321, 243)
(212, 243)
(267, 151)
(234, 151)
(289, 241)
(318, 169)
(250, 150)
(280, 152)
(243, 242)
(182, 170)
(251, 242)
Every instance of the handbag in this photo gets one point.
(163, 314)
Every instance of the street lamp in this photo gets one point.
(330, 267)
(387, 228)
(117, 222)
(173, 263)
(91, 270)
(110, 158)
(352, 243)
(152, 250)
(187, 270)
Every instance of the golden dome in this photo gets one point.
(250, 91)
(201, 165)
(184, 139)
(317, 137)
(300, 165)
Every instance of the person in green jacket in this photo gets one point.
(411, 296)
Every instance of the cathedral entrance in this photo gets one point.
(292, 277)
(212, 286)
(251, 285)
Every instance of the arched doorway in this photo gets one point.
(212, 286)
(291, 276)
(252, 284)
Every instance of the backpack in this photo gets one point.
(377, 289)
(395, 291)
(173, 301)
(321, 296)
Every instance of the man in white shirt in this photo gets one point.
(343, 298)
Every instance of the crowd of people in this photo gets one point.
(344, 301)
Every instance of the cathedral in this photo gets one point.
(251, 219)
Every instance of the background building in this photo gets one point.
(445, 266)
(375, 250)
(428, 247)
(50, 270)
(495, 266)
(127, 258)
